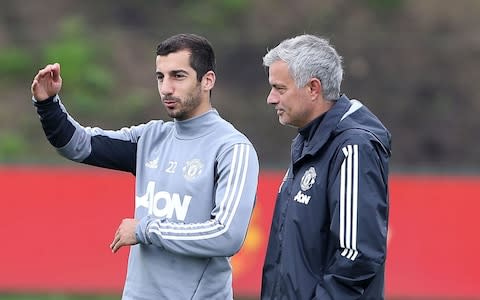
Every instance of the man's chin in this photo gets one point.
(286, 123)
(172, 114)
(177, 115)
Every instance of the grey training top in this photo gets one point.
(196, 183)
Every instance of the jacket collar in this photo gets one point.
(311, 136)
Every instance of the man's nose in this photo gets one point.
(272, 98)
(166, 87)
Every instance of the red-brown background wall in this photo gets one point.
(56, 225)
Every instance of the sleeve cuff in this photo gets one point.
(47, 101)
(141, 230)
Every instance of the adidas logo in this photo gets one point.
(152, 164)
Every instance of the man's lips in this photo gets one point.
(169, 103)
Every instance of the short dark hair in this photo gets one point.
(202, 59)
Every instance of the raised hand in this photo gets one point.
(47, 82)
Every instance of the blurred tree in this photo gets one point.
(15, 64)
(87, 80)
(414, 63)
(13, 145)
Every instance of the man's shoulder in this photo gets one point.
(159, 125)
(230, 134)
(354, 136)
(362, 127)
(153, 129)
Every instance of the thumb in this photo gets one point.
(56, 71)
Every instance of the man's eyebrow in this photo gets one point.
(178, 71)
(277, 85)
(173, 72)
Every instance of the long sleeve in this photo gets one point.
(93, 146)
(222, 235)
(358, 198)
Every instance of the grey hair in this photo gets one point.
(309, 56)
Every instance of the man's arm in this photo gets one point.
(223, 235)
(359, 199)
(94, 146)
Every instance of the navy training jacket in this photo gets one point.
(329, 230)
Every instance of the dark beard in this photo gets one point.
(188, 105)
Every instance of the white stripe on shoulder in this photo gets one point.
(228, 206)
(349, 202)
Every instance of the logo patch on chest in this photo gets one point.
(302, 198)
(308, 179)
(192, 169)
(152, 164)
(306, 183)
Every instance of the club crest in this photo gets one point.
(192, 169)
(308, 179)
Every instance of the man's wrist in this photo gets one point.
(44, 101)
(141, 230)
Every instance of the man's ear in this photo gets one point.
(315, 88)
(208, 80)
